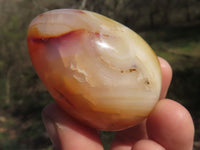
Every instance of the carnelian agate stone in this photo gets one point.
(98, 71)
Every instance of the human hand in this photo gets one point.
(168, 127)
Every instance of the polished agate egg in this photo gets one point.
(98, 71)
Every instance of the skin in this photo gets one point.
(168, 127)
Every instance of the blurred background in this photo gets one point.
(171, 27)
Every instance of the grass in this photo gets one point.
(106, 138)
(180, 46)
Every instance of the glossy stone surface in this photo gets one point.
(99, 71)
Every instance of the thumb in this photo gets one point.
(66, 133)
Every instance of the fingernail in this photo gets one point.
(51, 129)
